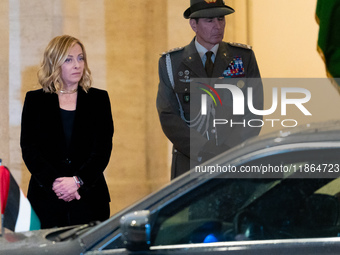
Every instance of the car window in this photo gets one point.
(256, 208)
(207, 215)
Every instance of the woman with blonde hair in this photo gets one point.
(66, 139)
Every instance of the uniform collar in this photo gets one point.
(202, 50)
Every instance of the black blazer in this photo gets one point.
(45, 152)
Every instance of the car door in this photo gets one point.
(295, 211)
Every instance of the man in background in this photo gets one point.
(195, 139)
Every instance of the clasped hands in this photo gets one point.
(66, 189)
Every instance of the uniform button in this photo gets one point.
(175, 150)
(213, 131)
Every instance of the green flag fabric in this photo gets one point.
(328, 18)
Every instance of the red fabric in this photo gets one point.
(4, 187)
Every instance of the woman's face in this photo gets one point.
(73, 67)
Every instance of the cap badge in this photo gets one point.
(210, 1)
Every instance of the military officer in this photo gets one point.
(207, 56)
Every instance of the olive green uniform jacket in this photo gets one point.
(186, 64)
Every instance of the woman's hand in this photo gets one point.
(65, 188)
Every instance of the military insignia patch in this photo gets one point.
(186, 98)
(235, 68)
(172, 50)
(245, 46)
(185, 75)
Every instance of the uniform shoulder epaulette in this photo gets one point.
(172, 50)
(245, 46)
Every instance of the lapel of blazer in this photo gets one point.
(51, 115)
(223, 58)
(78, 119)
(192, 60)
(51, 105)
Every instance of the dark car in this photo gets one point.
(275, 194)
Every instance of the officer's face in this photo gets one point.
(209, 31)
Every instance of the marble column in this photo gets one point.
(32, 25)
(136, 33)
(4, 88)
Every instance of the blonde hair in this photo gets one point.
(56, 52)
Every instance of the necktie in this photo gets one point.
(209, 65)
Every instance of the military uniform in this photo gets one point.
(234, 61)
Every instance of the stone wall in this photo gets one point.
(124, 40)
(4, 82)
